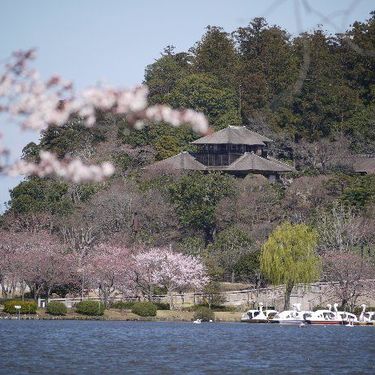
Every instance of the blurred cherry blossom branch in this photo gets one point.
(36, 104)
(71, 170)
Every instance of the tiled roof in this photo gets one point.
(239, 135)
(253, 162)
(183, 160)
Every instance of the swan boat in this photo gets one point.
(366, 318)
(346, 317)
(291, 317)
(258, 316)
(325, 317)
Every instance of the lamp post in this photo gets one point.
(18, 308)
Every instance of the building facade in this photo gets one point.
(235, 149)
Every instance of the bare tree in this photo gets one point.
(347, 271)
(303, 195)
(343, 235)
(323, 155)
(341, 230)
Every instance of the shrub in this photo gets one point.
(144, 309)
(358, 309)
(320, 307)
(90, 308)
(56, 308)
(27, 307)
(162, 306)
(123, 305)
(193, 308)
(205, 314)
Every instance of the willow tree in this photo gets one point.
(288, 257)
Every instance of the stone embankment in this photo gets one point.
(309, 296)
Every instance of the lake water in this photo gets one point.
(97, 347)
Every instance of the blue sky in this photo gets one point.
(88, 41)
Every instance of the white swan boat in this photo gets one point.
(366, 317)
(346, 317)
(324, 317)
(258, 316)
(291, 317)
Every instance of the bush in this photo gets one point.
(162, 306)
(358, 309)
(123, 305)
(56, 308)
(223, 308)
(27, 307)
(320, 307)
(204, 314)
(144, 309)
(90, 308)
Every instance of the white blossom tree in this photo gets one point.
(169, 270)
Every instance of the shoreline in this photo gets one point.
(126, 315)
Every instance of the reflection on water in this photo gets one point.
(71, 347)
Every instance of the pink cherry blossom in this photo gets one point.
(108, 270)
(36, 104)
(37, 260)
(173, 271)
(73, 170)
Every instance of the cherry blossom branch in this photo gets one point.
(73, 170)
(36, 104)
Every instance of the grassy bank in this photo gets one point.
(127, 315)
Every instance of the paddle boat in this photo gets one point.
(258, 316)
(346, 317)
(291, 317)
(366, 318)
(324, 317)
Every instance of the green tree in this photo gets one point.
(166, 146)
(203, 92)
(247, 269)
(230, 245)
(267, 70)
(41, 195)
(360, 128)
(216, 55)
(161, 76)
(357, 58)
(196, 196)
(74, 136)
(288, 257)
(325, 100)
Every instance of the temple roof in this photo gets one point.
(239, 135)
(183, 160)
(253, 162)
(247, 162)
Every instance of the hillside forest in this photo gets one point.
(313, 94)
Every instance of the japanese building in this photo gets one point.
(235, 149)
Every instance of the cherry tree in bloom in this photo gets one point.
(46, 265)
(173, 271)
(8, 265)
(108, 270)
(36, 260)
(37, 104)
